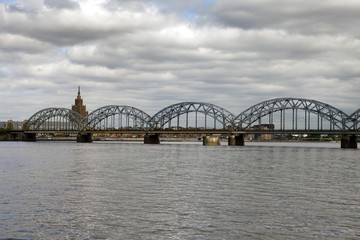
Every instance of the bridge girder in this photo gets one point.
(140, 117)
(71, 119)
(219, 114)
(335, 116)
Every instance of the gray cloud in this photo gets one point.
(150, 55)
(64, 4)
(304, 17)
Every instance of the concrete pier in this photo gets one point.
(151, 139)
(237, 140)
(84, 138)
(348, 141)
(211, 141)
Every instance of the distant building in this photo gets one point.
(12, 125)
(79, 106)
(264, 136)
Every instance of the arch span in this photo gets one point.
(23, 124)
(220, 115)
(354, 120)
(116, 117)
(336, 118)
(10, 125)
(54, 119)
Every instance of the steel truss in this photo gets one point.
(219, 114)
(336, 117)
(67, 120)
(62, 119)
(106, 116)
(354, 120)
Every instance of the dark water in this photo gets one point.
(52, 190)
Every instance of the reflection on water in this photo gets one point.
(178, 191)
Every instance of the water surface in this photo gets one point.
(112, 190)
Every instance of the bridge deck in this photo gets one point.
(167, 132)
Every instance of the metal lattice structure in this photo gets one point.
(294, 115)
(218, 114)
(116, 117)
(336, 118)
(354, 120)
(54, 119)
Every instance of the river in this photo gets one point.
(118, 190)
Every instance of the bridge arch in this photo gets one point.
(10, 125)
(354, 120)
(23, 124)
(220, 116)
(335, 119)
(52, 119)
(116, 117)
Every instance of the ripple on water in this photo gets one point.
(178, 191)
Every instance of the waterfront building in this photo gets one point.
(263, 136)
(12, 125)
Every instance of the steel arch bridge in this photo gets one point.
(337, 119)
(290, 115)
(54, 119)
(116, 117)
(218, 114)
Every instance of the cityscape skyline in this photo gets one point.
(151, 54)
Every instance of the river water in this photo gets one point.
(112, 190)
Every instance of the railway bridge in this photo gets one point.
(275, 116)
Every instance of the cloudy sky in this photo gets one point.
(153, 53)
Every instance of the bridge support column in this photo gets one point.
(151, 139)
(29, 137)
(348, 141)
(236, 140)
(84, 138)
(211, 141)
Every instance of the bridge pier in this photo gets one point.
(29, 137)
(84, 138)
(236, 140)
(211, 141)
(348, 141)
(151, 139)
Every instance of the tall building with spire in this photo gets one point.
(79, 106)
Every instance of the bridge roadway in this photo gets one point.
(211, 137)
(190, 132)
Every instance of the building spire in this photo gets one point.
(79, 106)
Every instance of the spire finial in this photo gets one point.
(79, 90)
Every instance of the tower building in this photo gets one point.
(79, 106)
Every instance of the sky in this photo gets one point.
(150, 54)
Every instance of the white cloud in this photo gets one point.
(233, 53)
